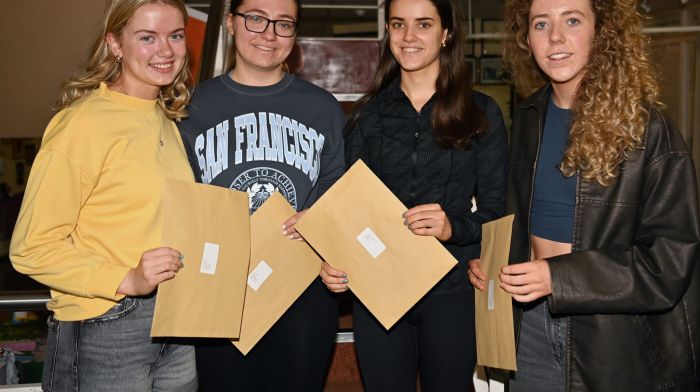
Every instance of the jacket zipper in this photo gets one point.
(532, 194)
(414, 158)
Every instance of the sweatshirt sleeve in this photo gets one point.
(332, 155)
(491, 152)
(41, 244)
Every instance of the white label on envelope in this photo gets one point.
(372, 244)
(259, 275)
(491, 305)
(209, 258)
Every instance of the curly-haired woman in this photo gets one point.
(90, 222)
(604, 194)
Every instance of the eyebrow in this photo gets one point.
(565, 13)
(259, 11)
(418, 19)
(155, 32)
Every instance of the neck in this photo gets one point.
(127, 89)
(257, 78)
(564, 94)
(419, 86)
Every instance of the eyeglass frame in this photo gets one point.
(273, 21)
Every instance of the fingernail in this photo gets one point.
(291, 237)
(345, 281)
(284, 232)
(182, 265)
(344, 275)
(181, 256)
(284, 227)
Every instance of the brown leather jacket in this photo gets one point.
(631, 286)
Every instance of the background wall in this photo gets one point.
(42, 42)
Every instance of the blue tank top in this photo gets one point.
(554, 199)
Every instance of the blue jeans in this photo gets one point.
(114, 352)
(541, 355)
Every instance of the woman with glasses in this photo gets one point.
(260, 130)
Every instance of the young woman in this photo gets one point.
(90, 222)
(435, 144)
(604, 193)
(258, 129)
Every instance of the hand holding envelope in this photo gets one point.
(280, 270)
(495, 338)
(216, 261)
(357, 227)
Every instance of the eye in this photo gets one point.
(285, 24)
(424, 25)
(573, 22)
(539, 25)
(396, 25)
(147, 38)
(177, 37)
(255, 18)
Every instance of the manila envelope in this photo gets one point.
(210, 226)
(280, 270)
(357, 227)
(495, 339)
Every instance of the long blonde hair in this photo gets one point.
(612, 102)
(102, 66)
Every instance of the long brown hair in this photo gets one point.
(102, 66)
(611, 105)
(456, 119)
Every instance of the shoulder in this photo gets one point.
(206, 91)
(307, 90)
(80, 120)
(662, 137)
(488, 106)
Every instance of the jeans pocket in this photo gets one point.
(116, 312)
(47, 376)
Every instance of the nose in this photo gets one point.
(556, 34)
(409, 34)
(166, 49)
(269, 32)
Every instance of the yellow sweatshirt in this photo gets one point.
(92, 203)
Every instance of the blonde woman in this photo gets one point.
(90, 226)
(604, 193)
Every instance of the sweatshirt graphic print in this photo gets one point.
(283, 138)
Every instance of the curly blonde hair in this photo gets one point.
(102, 66)
(612, 103)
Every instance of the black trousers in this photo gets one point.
(435, 339)
(293, 356)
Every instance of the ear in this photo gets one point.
(445, 36)
(114, 45)
(229, 23)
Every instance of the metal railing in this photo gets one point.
(23, 300)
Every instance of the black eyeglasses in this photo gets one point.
(258, 24)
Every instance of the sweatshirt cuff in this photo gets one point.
(106, 280)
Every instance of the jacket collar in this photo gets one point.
(393, 92)
(539, 100)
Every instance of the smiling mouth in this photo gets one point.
(162, 66)
(264, 48)
(559, 56)
(411, 50)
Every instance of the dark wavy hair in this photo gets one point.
(456, 119)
